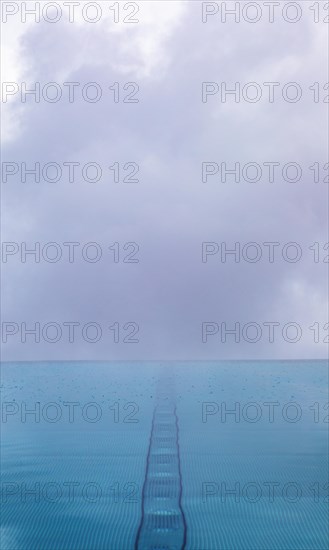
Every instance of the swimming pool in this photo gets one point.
(155, 455)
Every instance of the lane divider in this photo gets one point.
(163, 523)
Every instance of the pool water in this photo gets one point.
(223, 455)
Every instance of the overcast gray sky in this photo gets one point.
(169, 212)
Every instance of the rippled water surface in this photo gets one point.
(159, 456)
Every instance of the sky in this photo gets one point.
(139, 171)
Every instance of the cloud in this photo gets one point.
(170, 212)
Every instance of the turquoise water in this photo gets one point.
(148, 456)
